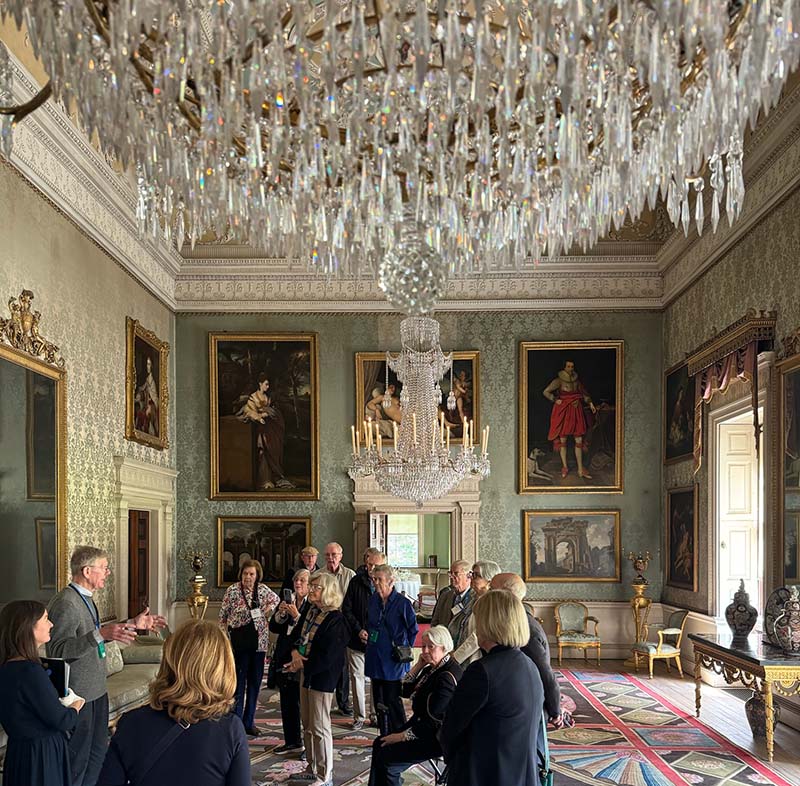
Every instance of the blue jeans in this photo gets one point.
(249, 673)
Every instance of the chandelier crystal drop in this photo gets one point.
(512, 129)
(417, 462)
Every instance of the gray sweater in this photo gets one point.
(73, 638)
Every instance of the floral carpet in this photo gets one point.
(624, 734)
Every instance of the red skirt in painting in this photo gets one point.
(567, 418)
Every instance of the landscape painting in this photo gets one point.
(571, 546)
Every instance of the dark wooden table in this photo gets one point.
(758, 666)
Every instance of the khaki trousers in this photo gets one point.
(315, 714)
(358, 692)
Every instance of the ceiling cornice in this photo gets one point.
(58, 160)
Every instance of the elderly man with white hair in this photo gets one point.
(430, 685)
(537, 648)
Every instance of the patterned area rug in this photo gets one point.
(625, 734)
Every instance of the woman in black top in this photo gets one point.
(287, 622)
(430, 684)
(34, 720)
(191, 700)
(320, 656)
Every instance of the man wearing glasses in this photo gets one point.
(78, 637)
(453, 600)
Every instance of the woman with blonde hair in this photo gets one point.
(490, 731)
(320, 656)
(187, 735)
(246, 608)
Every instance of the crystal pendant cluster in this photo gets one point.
(417, 462)
(513, 129)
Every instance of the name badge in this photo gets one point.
(303, 648)
(101, 650)
(373, 636)
(256, 614)
(457, 609)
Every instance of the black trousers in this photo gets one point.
(89, 742)
(390, 761)
(289, 691)
(343, 688)
(249, 673)
(387, 693)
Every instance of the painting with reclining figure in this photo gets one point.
(566, 546)
(264, 416)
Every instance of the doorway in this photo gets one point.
(138, 560)
(739, 492)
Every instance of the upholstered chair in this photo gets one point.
(572, 629)
(669, 643)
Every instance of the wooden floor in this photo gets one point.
(720, 710)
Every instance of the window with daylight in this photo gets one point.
(403, 539)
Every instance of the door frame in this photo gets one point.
(722, 408)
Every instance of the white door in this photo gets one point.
(739, 513)
(378, 523)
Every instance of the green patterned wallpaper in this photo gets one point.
(758, 272)
(496, 335)
(84, 298)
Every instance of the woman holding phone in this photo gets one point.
(287, 622)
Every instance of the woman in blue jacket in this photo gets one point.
(390, 622)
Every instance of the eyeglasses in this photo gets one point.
(104, 568)
(314, 586)
(474, 574)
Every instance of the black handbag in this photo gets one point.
(402, 653)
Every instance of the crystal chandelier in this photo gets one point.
(513, 129)
(417, 463)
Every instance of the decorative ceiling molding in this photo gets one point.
(771, 172)
(59, 161)
(637, 274)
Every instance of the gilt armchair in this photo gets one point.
(669, 643)
(572, 629)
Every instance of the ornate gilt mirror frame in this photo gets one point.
(787, 367)
(22, 344)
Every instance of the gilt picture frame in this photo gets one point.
(678, 414)
(586, 379)
(264, 413)
(274, 541)
(371, 386)
(570, 546)
(681, 534)
(46, 552)
(146, 387)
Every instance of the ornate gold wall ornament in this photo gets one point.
(21, 331)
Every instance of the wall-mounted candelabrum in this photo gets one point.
(196, 600)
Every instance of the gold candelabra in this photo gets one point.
(196, 600)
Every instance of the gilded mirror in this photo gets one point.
(789, 472)
(33, 447)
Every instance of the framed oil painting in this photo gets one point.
(147, 393)
(570, 416)
(274, 541)
(40, 425)
(264, 415)
(46, 552)
(682, 538)
(371, 383)
(678, 414)
(571, 545)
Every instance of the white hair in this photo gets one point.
(439, 636)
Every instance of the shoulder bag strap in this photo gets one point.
(157, 752)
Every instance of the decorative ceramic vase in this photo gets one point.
(740, 615)
(787, 625)
(756, 714)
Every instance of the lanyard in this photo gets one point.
(93, 611)
(253, 600)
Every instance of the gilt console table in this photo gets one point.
(756, 665)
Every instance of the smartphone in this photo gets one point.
(287, 596)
